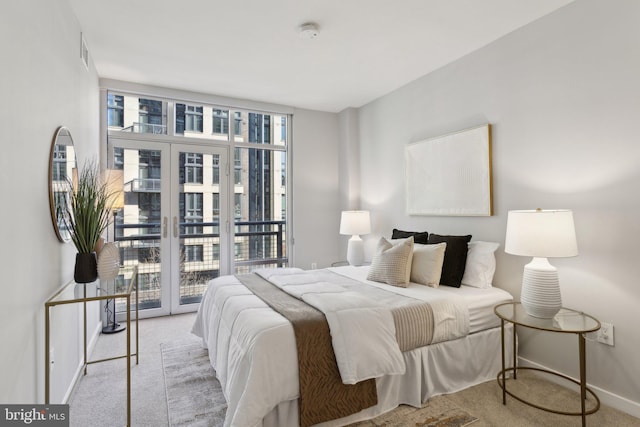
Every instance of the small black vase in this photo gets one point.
(86, 270)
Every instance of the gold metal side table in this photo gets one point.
(56, 300)
(566, 321)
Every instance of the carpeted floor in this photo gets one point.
(438, 412)
(98, 399)
(194, 396)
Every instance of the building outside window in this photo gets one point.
(221, 121)
(192, 168)
(237, 206)
(237, 123)
(191, 211)
(216, 170)
(193, 253)
(259, 128)
(237, 167)
(149, 212)
(150, 116)
(149, 164)
(193, 119)
(188, 118)
(118, 158)
(115, 110)
(59, 163)
(215, 211)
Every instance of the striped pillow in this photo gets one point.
(391, 264)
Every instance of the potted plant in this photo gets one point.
(89, 212)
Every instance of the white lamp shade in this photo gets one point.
(355, 223)
(114, 179)
(109, 262)
(541, 233)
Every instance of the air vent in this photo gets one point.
(84, 51)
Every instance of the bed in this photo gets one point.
(253, 350)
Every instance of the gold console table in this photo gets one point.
(55, 300)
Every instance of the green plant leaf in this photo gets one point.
(90, 208)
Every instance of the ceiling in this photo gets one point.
(252, 49)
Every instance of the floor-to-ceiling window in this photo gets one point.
(205, 193)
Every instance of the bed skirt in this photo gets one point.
(438, 369)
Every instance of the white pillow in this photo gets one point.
(481, 264)
(426, 266)
(391, 264)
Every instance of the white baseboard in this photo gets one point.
(92, 340)
(606, 397)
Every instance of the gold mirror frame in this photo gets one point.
(62, 166)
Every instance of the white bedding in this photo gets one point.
(479, 301)
(252, 348)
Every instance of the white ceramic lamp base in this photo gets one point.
(355, 251)
(541, 289)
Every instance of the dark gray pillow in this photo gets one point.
(420, 237)
(455, 258)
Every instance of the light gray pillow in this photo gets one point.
(391, 264)
(426, 267)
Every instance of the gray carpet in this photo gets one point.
(194, 398)
(194, 395)
(99, 398)
(438, 412)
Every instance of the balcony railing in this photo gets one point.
(137, 127)
(256, 244)
(142, 185)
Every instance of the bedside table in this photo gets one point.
(339, 263)
(567, 321)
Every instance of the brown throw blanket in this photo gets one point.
(323, 396)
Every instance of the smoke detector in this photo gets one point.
(309, 30)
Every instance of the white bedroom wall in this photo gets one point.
(44, 84)
(562, 95)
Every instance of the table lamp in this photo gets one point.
(355, 223)
(541, 234)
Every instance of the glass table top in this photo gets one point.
(566, 320)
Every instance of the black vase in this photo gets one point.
(86, 270)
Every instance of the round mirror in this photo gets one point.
(62, 167)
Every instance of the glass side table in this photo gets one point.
(567, 321)
(57, 300)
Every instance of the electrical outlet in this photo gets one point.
(314, 265)
(605, 333)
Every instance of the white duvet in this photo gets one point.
(363, 333)
(252, 348)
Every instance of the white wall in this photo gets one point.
(44, 84)
(563, 97)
